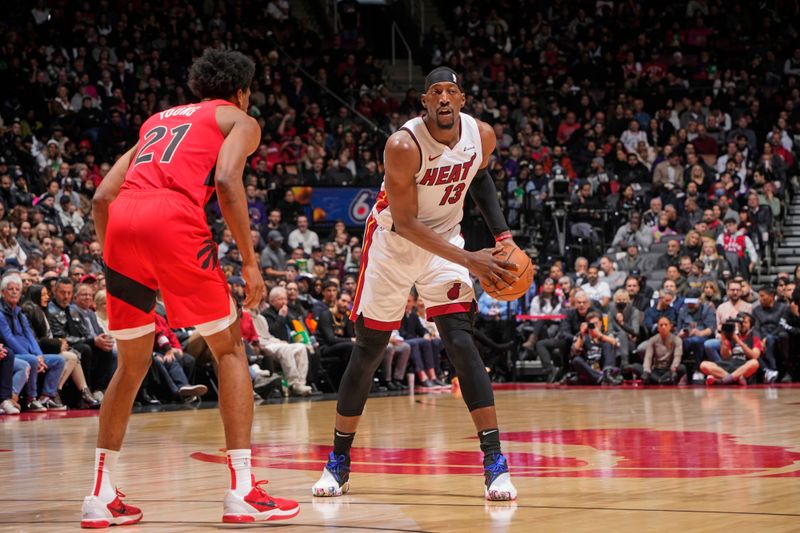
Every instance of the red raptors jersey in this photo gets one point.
(178, 150)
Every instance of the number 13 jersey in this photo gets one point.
(444, 176)
(178, 151)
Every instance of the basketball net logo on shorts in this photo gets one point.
(361, 206)
(576, 453)
(454, 291)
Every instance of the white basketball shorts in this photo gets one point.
(391, 265)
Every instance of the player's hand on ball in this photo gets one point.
(254, 287)
(491, 270)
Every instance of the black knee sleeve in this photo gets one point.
(457, 333)
(357, 379)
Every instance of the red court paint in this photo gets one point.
(589, 453)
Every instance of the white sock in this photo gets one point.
(104, 463)
(239, 467)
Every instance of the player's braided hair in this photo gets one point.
(220, 73)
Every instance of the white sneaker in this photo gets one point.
(770, 376)
(98, 395)
(96, 515)
(501, 489)
(497, 481)
(9, 408)
(335, 479)
(257, 506)
(698, 377)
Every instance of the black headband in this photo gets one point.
(439, 75)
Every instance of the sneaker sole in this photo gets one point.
(100, 523)
(499, 495)
(275, 514)
(330, 492)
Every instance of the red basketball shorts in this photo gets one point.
(159, 241)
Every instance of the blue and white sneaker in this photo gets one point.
(498, 480)
(335, 479)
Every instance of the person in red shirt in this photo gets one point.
(149, 217)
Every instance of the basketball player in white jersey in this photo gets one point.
(413, 238)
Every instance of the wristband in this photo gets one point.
(503, 236)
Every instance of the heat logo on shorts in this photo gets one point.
(576, 453)
(454, 291)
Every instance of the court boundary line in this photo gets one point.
(445, 504)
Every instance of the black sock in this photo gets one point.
(490, 444)
(342, 442)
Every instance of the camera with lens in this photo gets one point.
(729, 327)
(591, 325)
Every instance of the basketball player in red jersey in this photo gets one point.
(150, 220)
(413, 238)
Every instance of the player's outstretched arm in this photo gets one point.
(484, 192)
(107, 191)
(243, 136)
(402, 160)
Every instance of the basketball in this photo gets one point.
(515, 255)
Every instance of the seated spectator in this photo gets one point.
(293, 357)
(624, 324)
(95, 348)
(546, 302)
(725, 311)
(614, 278)
(739, 249)
(7, 406)
(395, 362)
(173, 364)
(662, 307)
(639, 299)
(594, 353)
(662, 357)
(661, 230)
(425, 358)
(555, 351)
(632, 260)
(671, 257)
(791, 324)
(740, 349)
(302, 236)
(767, 315)
(273, 258)
(335, 332)
(34, 307)
(16, 333)
(696, 324)
(597, 290)
(713, 264)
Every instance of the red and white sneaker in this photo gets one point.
(257, 506)
(96, 515)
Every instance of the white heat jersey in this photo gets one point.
(443, 179)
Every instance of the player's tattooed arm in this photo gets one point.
(107, 191)
(402, 161)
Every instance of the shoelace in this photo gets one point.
(498, 467)
(257, 486)
(335, 463)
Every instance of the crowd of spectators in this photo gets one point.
(677, 140)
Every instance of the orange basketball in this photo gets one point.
(514, 255)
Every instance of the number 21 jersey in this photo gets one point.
(178, 150)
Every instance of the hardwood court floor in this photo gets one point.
(677, 459)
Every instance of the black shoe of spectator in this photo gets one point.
(147, 399)
(609, 379)
(400, 385)
(392, 386)
(787, 378)
(265, 385)
(439, 383)
(552, 375)
(189, 391)
(88, 401)
(377, 387)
